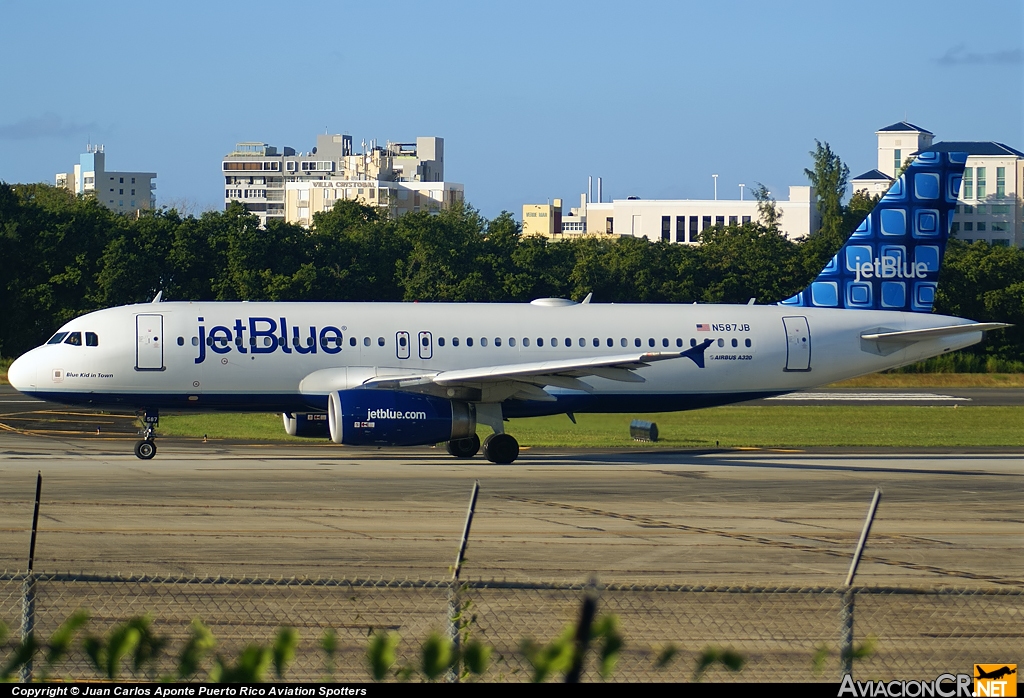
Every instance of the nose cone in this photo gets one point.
(22, 373)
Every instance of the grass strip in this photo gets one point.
(784, 426)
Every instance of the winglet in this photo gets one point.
(159, 295)
(587, 299)
(696, 353)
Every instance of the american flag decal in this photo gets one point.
(702, 327)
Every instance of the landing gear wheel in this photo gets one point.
(464, 448)
(145, 449)
(501, 448)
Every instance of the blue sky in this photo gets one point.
(530, 97)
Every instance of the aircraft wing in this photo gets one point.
(911, 336)
(564, 373)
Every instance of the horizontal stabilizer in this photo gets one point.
(910, 336)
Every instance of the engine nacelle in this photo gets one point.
(365, 417)
(309, 424)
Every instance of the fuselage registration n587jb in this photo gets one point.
(405, 374)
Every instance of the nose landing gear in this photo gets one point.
(146, 448)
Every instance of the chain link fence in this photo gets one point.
(917, 633)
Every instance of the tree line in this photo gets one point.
(62, 255)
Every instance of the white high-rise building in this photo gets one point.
(123, 192)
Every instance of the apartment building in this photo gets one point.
(123, 192)
(291, 186)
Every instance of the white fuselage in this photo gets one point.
(230, 356)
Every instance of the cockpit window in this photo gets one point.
(74, 338)
(57, 338)
(92, 339)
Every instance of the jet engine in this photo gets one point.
(309, 424)
(368, 417)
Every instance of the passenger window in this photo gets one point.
(401, 341)
(252, 342)
(74, 338)
(57, 338)
(568, 342)
(540, 341)
(650, 341)
(425, 342)
(483, 341)
(554, 341)
(721, 342)
(181, 340)
(238, 341)
(597, 342)
(526, 341)
(583, 342)
(735, 343)
(352, 341)
(380, 341)
(636, 341)
(624, 342)
(664, 341)
(455, 341)
(679, 342)
(610, 342)
(267, 341)
(693, 342)
(309, 341)
(497, 341)
(195, 341)
(469, 341)
(440, 341)
(746, 342)
(283, 341)
(511, 341)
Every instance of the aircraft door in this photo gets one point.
(149, 349)
(426, 345)
(402, 345)
(798, 344)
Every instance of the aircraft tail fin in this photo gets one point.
(892, 260)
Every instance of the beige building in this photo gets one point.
(303, 199)
(291, 186)
(122, 192)
(543, 219)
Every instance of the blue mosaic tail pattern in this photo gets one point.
(892, 260)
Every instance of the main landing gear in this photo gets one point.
(498, 448)
(464, 448)
(501, 448)
(146, 448)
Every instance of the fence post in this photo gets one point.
(582, 639)
(28, 587)
(846, 614)
(454, 606)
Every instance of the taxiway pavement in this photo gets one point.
(692, 517)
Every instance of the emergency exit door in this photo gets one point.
(149, 347)
(798, 344)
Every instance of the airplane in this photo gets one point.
(405, 374)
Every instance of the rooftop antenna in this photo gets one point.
(715, 177)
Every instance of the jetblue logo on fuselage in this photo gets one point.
(890, 268)
(264, 335)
